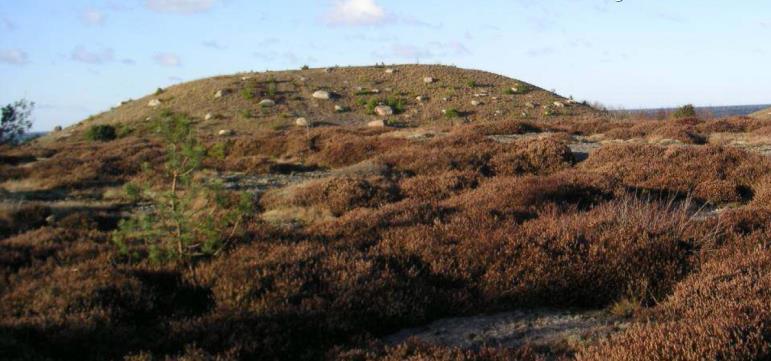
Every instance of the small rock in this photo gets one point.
(208, 116)
(267, 103)
(421, 98)
(390, 71)
(377, 123)
(226, 132)
(321, 94)
(302, 79)
(446, 99)
(375, 91)
(494, 98)
(58, 128)
(428, 80)
(476, 103)
(301, 122)
(339, 108)
(531, 105)
(514, 90)
(479, 95)
(383, 110)
(51, 219)
(154, 103)
(559, 104)
(498, 112)
(221, 93)
(245, 78)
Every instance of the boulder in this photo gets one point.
(267, 103)
(225, 132)
(383, 110)
(154, 103)
(302, 122)
(428, 80)
(380, 123)
(321, 94)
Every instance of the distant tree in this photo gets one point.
(16, 121)
(686, 111)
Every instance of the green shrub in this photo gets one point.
(686, 111)
(371, 105)
(471, 84)
(305, 67)
(189, 218)
(272, 88)
(101, 133)
(396, 104)
(159, 91)
(248, 93)
(452, 113)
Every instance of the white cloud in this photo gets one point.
(167, 59)
(93, 17)
(431, 50)
(356, 12)
(180, 6)
(84, 55)
(14, 56)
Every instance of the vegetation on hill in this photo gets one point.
(351, 233)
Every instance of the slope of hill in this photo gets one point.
(764, 114)
(234, 102)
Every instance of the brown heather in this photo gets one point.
(419, 224)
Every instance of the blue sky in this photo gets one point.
(79, 57)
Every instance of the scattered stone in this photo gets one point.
(339, 108)
(154, 103)
(498, 112)
(301, 122)
(380, 123)
(494, 98)
(321, 94)
(245, 78)
(383, 110)
(446, 99)
(514, 90)
(208, 116)
(267, 103)
(221, 93)
(479, 95)
(58, 128)
(531, 105)
(302, 79)
(421, 98)
(375, 91)
(523, 114)
(559, 104)
(226, 132)
(428, 80)
(476, 103)
(51, 219)
(390, 71)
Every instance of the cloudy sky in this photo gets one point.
(79, 57)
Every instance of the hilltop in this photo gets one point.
(233, 102)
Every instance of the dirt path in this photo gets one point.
(551, 328)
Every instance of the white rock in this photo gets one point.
(421, 98)
(154, 103)
(428, 80)
(225, 132)
(321, 94)
(498, 112)
(383, 110)
(559, 104)
(446, 99)
(221, 93)
(390, 70)
(267, 103)
(301, 122)
(375, 91)
(208, 116)
(476, 103)
(339, 108)
(377, 123)
(531, 105)
(245, 78)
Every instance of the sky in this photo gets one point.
(75, 58)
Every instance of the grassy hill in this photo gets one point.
(354, 91)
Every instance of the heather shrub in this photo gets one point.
(342, 194)
(101, 133)
(540, 156)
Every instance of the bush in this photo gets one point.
(101, 133)
(15, 121)
(471, 84)
(451, 113)
(686, 111)
(305, 67)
